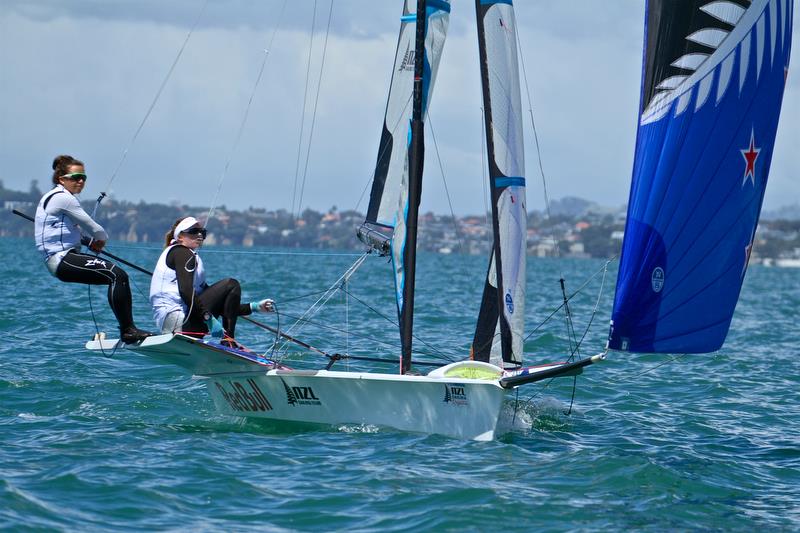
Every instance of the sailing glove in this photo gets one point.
(263, 306)
(215, 327)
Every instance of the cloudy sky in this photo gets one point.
(78, 77)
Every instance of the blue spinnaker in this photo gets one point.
(714, 75)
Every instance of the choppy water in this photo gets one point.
(92, 443)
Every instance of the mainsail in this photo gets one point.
(713, 81)
(499, 332)
(387, 222)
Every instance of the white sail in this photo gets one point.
(503, 307)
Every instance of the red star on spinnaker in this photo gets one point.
(750, 155)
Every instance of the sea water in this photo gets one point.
(642, 442)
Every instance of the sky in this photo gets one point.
(79, 76)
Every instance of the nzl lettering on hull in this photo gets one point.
(298, 395)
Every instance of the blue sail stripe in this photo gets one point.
(504, 181)
(441, 5)
(433, 5)
(491, 2)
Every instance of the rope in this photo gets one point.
(393, 345)
(570, 297)
(594, 311)
(538, 149)
(567, 314)
(303, 113)
(245, 252)
(446, 190)
(654, 367)
(97, 326)
(244, 118)
(436, 352)
(316, 306)
(314, 111)
(155, 99)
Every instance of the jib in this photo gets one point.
(304, 393)
(244, 400)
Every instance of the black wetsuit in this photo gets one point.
(223, 298)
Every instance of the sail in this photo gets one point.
(713, 81)
(390, 179)
(391, 222)
(501, 321)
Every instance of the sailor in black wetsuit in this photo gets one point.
(58, 237)
(182, 300)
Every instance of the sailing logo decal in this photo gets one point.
(95, 262)
(455, 394)
(509, 303)
(408, 60)
(300, 395)
(242, 399)
(657, 279)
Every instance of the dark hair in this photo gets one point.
(168, 237)
(61, 166)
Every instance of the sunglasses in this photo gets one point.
(196, 231)
(75, 176)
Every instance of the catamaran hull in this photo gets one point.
(465, 409)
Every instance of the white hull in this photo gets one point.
(462, 400)
(466, 409)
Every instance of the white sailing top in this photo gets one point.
(164, 295)
(58, 217)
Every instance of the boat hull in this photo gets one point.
(465, 409)
(462, 400)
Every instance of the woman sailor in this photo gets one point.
(182, 300)
(59, 217)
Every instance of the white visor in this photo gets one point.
(182, 226)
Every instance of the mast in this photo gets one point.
(503, 303)
(416, 160)
(393, 204)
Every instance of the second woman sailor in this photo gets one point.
(182, 300)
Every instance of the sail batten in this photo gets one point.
(699, 175)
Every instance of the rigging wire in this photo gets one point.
(594, 311)
(567, 314)
(570, 297)
(436, 351)
(97, 326)
(314, 110)
(244, 117)
(303, 112)
(446, 190)
(153, 103)
(322, 300)
(226, 251)
(654, 367)
(538, 148)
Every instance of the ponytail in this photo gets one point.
(61, 166)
